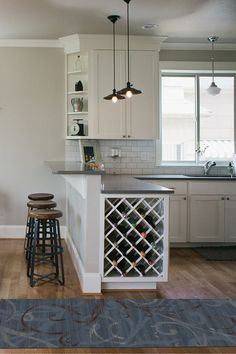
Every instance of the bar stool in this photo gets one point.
(33, 204)
(41, 196)
(46, 247)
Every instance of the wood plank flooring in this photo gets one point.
(190, 277)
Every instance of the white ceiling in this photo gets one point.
(180, 20)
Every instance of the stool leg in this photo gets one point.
(33, 251)
(61, 252)
(29, 237)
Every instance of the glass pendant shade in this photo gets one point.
(213, 89)
(114, 96)
(128, 91)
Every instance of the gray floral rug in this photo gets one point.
(79, 323)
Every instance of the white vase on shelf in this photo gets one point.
(78, 64)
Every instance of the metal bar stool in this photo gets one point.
(41, 196)
(45, 248)
(40, 204)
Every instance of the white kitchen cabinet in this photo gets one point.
(178, 219)
(178, 209)
(206, 218)
(135, 118)
(230, 218)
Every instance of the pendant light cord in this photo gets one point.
(114, 55)
(128, 37)
(212, 60)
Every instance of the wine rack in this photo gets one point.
(135, 238)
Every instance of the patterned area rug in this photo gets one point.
(81, 323)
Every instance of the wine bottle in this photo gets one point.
(123, 248)
(150, 220)
(141, 211)
(150, 239)
(131, 239)
(114, 256)
(132, 221)
(113, 219)
(123, 268)
(122, 208)
(142, 248)
(141, 268)
(132, 257)
(123, 229)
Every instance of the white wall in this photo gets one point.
(31, 127)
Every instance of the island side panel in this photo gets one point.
(83, 222)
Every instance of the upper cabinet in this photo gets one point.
(89, 77)
(132, 118)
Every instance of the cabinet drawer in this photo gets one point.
(211, 187)
(179, 187)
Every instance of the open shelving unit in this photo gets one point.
(76, 116)
(135, 245)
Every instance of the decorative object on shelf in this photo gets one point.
(213, 89)
(77, 128)
(77, 104)
(78, 64)
(230, 169)
(89, 151)
(128, 91)
(114, 97)
(79, 86)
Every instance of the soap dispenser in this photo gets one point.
(230, 169)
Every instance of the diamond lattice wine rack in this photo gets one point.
(135, 239)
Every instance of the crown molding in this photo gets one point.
(196, 46)
(31, 43)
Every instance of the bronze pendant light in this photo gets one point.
(114, 97)
(128, 91)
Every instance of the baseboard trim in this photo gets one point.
(90, 282)
(18, 231)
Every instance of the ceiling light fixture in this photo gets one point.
(213, 89)
(128, 91)
(114, 97)
(150, 26)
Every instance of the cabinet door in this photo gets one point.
(143, 109)
(109, 117)
(178, 219)
(230, 219)
(206, 218)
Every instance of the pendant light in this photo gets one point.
(114, 97)
(128, 91)
(213, 89)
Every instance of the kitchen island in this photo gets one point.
(117, 229)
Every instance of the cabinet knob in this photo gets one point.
(185, 198)
(222, 198)
(124, 136)
(129, 136)
(228, 198)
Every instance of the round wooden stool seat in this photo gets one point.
(45, 214)
(41, 196)
(41, 204)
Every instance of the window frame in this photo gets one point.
(196, 75)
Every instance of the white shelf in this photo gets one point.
(77, 93)
(76, 137)
(76, 72)
(76, 113)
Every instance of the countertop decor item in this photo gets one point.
(77, 104)
(213, 89)
(128, 91)
(114, 97)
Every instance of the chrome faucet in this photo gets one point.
(208, 165)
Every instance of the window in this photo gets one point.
(195, 125)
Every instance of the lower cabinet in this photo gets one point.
(213, 218)
(178, 219)
(206, 218)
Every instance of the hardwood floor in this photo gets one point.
(190, 277)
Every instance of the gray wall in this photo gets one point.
(197, 55)
(31, 127)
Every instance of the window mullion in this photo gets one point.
(197, 126)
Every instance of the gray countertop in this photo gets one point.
(129, 184)
(187, 177)
(64, 167)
